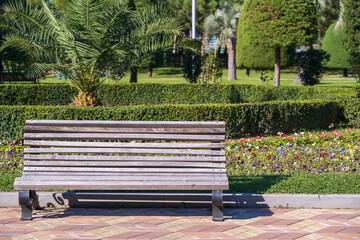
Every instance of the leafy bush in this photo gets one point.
(255, 118)
(334, 46)
(311, 65)
(192, 67)
(150, 94)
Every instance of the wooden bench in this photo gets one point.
(122, 155)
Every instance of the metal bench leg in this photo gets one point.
(26, 203)
(217, 205)
(35, 199)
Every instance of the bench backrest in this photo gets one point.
(125, 149)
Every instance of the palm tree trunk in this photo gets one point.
(248, 72)
(277, 66)
(231, 45)
(346, 72)
(133, 76)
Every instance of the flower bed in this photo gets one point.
(330, 152)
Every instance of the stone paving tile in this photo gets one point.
(181, 224)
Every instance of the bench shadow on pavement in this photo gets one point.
(237, 205)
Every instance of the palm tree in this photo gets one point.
(93, 36)
(321, 5)
(223, 24)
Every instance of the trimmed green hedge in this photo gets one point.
(152, 94)
(241, 119)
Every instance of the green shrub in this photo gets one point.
(241, 119)
(152, 94)
(334, 46)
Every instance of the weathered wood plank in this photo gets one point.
(56, 129)
(124, 150)
(127, 124)
(121, 185)
(164, 145)
(122, 164)
(117, 136)
(65, 173)
(121, 178)
(125, 158)
(93, 169)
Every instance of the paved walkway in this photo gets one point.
(181, 224)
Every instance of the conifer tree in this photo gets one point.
(279, 23)
(334, 46)
(352, 34)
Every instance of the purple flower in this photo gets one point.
(11, 152)
(354, 170)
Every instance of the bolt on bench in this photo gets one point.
(122, 155)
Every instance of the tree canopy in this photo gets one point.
(259, 57)
(352, 34)
(279, 23)
(334, 46)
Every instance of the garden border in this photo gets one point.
(169, 200)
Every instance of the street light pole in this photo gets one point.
(193, 31)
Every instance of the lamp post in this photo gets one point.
(193, 30)
(193, 33)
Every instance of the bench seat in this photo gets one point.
(122, 155)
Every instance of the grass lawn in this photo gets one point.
(175, 75)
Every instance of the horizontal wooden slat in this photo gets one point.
(117, 136)
(127, 124)
(122, 164)
(121, 178)
(124, 158)
(121, 185)
(35, 143)
(154, 170)
(56, 129)
(124, 150)
(65, 173)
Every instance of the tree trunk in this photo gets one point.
(346, 72)
(108, 75)
(231, 45)
(181, 58)
(150, 70)
(248, 72)
(298, 79)
(277, 66)
(214, 65)
(1, 71)
(133, 76)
